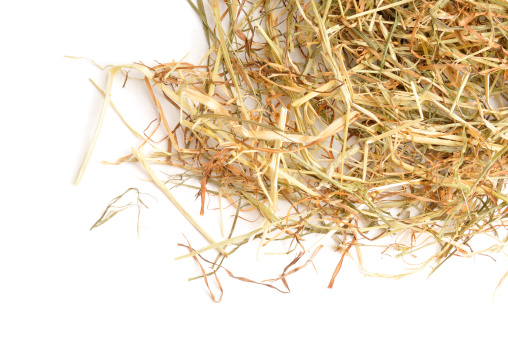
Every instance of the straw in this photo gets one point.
(348, 112)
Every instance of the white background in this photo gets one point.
(57, 278)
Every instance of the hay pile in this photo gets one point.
(370, 118)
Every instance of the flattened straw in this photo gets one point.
(91, 148)
(375, 10)
(417, 99)
(339, 265)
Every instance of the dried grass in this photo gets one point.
(347, 111)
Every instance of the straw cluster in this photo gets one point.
(368, 117)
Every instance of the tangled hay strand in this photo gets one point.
(370, 118)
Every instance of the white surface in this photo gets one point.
(59, 279)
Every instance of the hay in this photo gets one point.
(372, 119)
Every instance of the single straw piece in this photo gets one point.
(142, 160)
